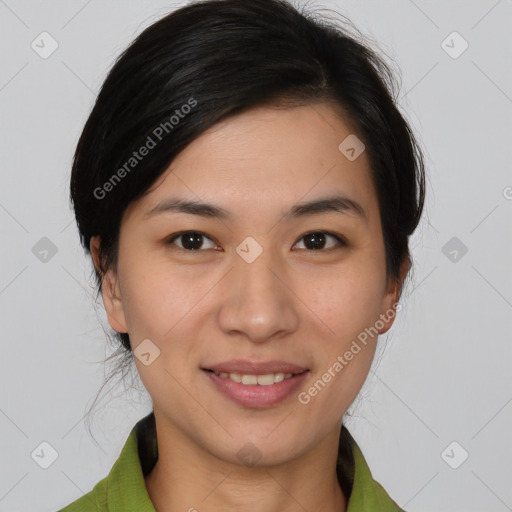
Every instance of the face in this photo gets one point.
(264, 281)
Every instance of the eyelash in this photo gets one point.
(341, 241)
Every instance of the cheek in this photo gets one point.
(157, 296)
(346, 307)
(349, 301)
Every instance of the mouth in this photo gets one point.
(256, 390)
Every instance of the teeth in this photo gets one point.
(251, 380)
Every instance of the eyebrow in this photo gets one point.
(339, 204)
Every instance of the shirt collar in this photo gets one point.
(126, 487)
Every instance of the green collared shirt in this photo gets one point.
(124, 489)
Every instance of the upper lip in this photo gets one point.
(256, 368)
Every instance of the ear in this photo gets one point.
(390, 299)
(110, 290)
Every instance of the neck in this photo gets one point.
(186, 477)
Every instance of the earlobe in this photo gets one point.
(387, 317)
(110, 291)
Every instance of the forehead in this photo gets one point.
(265, 158)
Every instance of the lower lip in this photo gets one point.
(255, 395)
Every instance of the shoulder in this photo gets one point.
(367, 494)
(124, 486)
(94, 501)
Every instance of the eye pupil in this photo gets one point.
(315, 240)
(192, 240)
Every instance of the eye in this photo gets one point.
(313, 241)
(317, 240)
(191, 240)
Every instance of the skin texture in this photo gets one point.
(292, 303)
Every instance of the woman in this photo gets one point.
(246, 187)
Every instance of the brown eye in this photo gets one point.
(191, 240)
(317, 240)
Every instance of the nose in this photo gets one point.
(258, 300)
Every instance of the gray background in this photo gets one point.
(444, 375)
